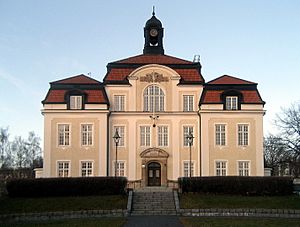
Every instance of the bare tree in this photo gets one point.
(20, 152)
(275, 154)
(33, 149)
(5, 151)
(288, 122)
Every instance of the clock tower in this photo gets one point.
(153, 33)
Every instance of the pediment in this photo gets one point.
(154, 153)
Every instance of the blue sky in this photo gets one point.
(44, 41)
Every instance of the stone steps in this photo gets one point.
(153, 201)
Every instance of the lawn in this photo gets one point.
(197, 201)
(245, 222)
(111, 222)
(26, 205)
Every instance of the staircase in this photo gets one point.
(153, 201)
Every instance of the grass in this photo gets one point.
(245, 222)
(27, 205)
(197, 201)
(111, 222)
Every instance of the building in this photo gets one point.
(154, 102)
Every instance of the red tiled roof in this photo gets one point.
(229, 80)
(214, 96)
(153, 59)
(58, 96)
(187, 75)
(79, 79)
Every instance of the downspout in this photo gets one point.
(200, 145)
(107, 142)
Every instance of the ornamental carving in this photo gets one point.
(154, 153)
(154, 77)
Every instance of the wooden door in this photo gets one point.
(154, 174)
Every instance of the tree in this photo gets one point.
(20, 152)
(275, 154)
(288, 122)
(5, 151)
(33, 149)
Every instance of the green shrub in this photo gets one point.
(236, 185)
(83, 186)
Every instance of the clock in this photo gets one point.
(153, 32)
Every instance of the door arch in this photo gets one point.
(154, 174)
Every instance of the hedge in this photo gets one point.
(83, 186)
(236, 185)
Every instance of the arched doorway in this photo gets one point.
(154, 174)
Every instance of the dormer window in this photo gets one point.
(75, 102)
(231, 102)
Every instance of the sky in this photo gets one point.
(44, 41)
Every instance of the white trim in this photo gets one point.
(139, 135)
(124, 136)
(237, 135)
(69, 170)
(113, 167)
(215, 166)
(80, 167)
(238, 169)
(188, 162)
(80, 134)
(168, 134)
(226, 135)
(57, 135)
(182, 134)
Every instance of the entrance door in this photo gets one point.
(154, 174)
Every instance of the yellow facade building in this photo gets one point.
(170, 122)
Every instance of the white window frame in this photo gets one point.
(119, 102)
(75, 102)
(154, 99)
(86, 169)
(243, 136)
(221, 168)
(188, 103)
(220, 135)
(63, 168)
(185, 131)
(242, 170)
(145, 137)
(64, 135)
(186, 168)
(118, 168)
(231, 103)
(163, 136)
(89, 135)
(122, 133)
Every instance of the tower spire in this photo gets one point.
(153, 11)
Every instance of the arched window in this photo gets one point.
(154, 99)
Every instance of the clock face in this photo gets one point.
(153, 32)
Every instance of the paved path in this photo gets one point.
(153, 221)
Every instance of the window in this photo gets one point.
(63, 169)
(186, 131)
(163, 136)
(119, 102)
(120, 168)
(86, 168)
(63, 135)
(231, 102)
(188, 103)
(121, 131)
(243, 135)
(75, 102)
(86, 134)
(243, 167)
(154, 99)
(220, 134)
(186, 168)
(221, 167)
(145, 135)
